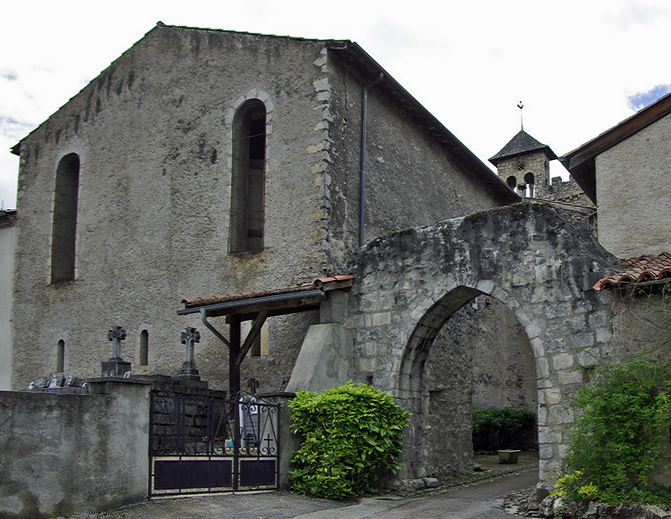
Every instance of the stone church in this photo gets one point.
(206, 162)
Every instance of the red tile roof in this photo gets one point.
(642, 269)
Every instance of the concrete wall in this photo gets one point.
(7, 245)
(633, 180)
(73, 453)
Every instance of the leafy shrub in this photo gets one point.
(350, 433)
(616, 440)
(495, 429)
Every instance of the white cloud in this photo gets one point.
(574, 63)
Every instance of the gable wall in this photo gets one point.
(633, 182)
(153, 136)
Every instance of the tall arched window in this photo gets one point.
(64, 228)
(60, 356)
(144, 348)
(512, 182)
(248, 177)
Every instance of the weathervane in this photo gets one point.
(520, 105)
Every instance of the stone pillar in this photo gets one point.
(289, 442)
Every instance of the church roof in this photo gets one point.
(521, 144)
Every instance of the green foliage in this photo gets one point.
(495, 429)
(622, 418)
(350, 433)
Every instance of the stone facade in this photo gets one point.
(538, 263)
(151, 140)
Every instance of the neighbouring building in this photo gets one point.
(626, 172)
(7, 247)
(208, 162)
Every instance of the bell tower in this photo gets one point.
(524, 164)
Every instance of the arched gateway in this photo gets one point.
(537, 262)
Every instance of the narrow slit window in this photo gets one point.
(248, 178)
(60, 356)
(64, 228)
(144, 348)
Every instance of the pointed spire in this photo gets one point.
(520, 105)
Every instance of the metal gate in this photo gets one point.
(203, 444)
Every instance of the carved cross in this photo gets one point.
(190, 337)
(116, 335)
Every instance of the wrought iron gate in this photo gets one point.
(200, 444)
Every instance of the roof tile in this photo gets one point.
(641, 269)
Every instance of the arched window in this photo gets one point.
(144, 348)
(64, 228)
(512, 182)
(248, 177)
(529, 181)
(60, 356)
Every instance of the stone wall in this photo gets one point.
(538, 263)
(634, 193)
(153, 133)
(567, 191)
(73, 453)
(410, 179)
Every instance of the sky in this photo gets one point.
(578, 66)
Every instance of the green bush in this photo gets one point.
(351, 432)
(506, 428)
(616, 440)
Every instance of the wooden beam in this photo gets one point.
(252, 335)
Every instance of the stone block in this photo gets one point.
(378, 319)
(545, 452)
(548, 435)
(542, 368)
(573, 376)
(552, 396)
(561, 361)
(580, 340)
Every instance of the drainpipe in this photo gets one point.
(364, 119)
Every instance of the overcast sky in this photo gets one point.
(579, 66)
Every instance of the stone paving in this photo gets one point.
(284, 505)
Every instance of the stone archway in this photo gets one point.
(539, 263)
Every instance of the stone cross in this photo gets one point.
(189, 338)
(115, 366)
(116, 335)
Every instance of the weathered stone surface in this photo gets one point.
(434, 271)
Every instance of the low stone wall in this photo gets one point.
(72, 453)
